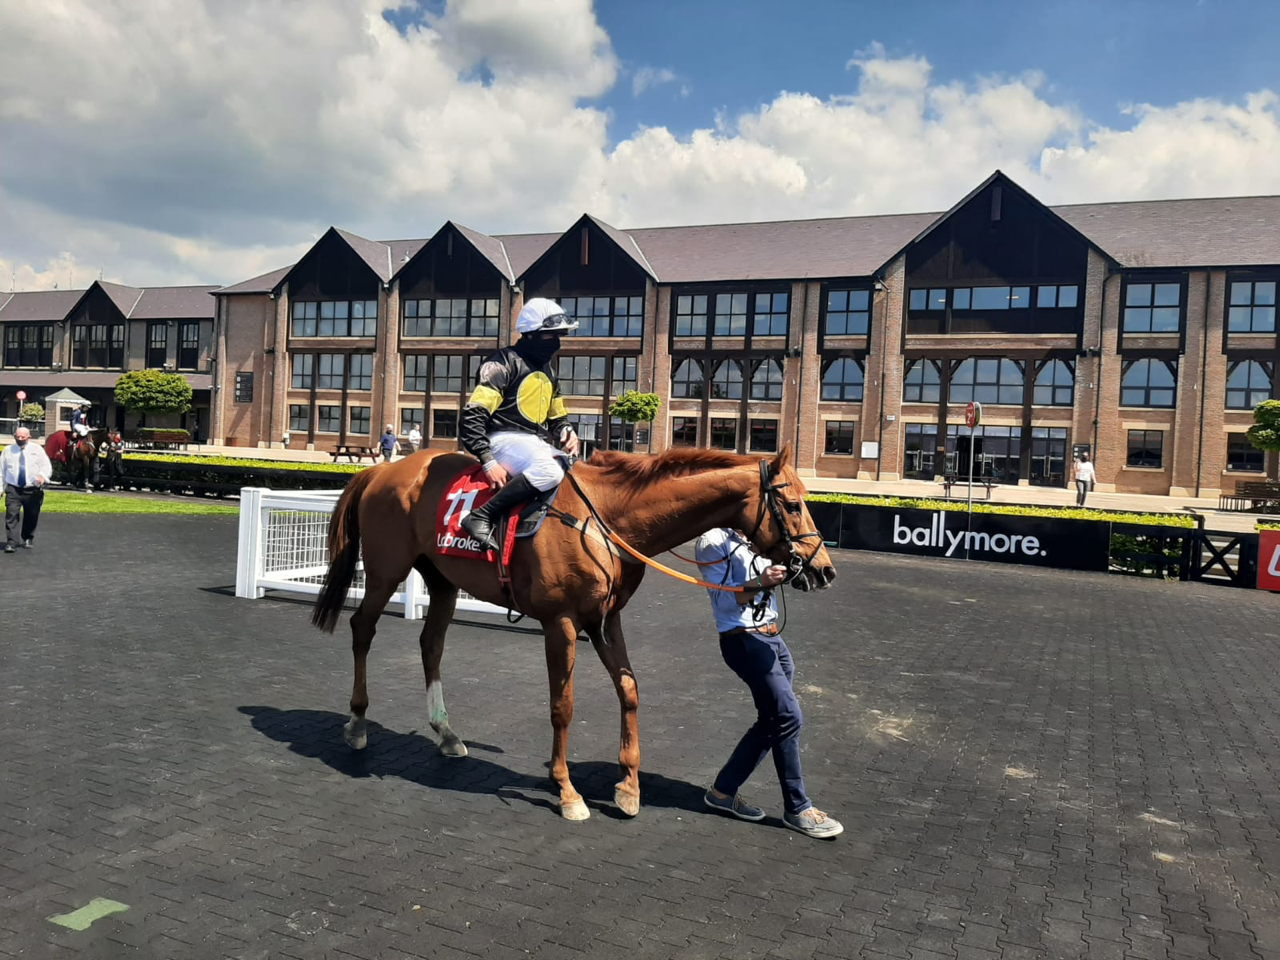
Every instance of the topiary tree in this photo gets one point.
(31, 412)
(1265, 432)
(635, 407)
(153, 391)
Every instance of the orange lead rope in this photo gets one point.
(674, 573)
(696, 563)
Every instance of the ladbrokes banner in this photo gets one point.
(1037, 541)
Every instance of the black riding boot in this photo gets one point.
(480, 521)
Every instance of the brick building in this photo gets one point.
(83, 340)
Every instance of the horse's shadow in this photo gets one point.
(415, 757)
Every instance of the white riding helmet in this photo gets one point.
(542, 315)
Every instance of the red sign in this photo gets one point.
(1269, 560)
(21, 395)
(972, 414)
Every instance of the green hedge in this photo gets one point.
(251, 463)
(1268, 525)
(1064, 513)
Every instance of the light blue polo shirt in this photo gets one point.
(734, 555)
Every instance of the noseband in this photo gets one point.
(769, 500)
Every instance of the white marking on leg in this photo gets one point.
(451, 744)
(356, 733)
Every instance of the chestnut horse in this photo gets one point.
(570, 576)
(78, 454)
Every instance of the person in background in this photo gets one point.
(753, 648)
(388, 444)
(112, 454)
(1084, 475)
(24, 470)
(80, 421)
(415, 437)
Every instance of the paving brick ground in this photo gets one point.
(1028, 764)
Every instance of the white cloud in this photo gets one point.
(646, 78)
(210, 140)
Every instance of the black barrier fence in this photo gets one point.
(1169, 552)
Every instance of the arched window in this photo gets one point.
(987, 380)
(842, 380)
(726, 382)
(1055, 384)
(1248, 384)
(687, 379)
(922, 382)
(766, 380)
(1149, 383)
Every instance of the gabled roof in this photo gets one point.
(626, 242)
(39, 305)
(1217, 232)
(1004, 181)
(125, 298)
(491, 248)
(376, 255)
(65, 395)
(264, 283)
(524, 249)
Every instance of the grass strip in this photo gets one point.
(63, 501)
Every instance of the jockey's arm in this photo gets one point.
(478, 413)
(559, 428)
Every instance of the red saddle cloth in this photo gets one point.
(469, 489)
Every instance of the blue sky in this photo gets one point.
(210, 141)
(733, 56)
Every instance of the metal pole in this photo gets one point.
(969, 527)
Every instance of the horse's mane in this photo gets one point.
(632, 472)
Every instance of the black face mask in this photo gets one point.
(536, 351)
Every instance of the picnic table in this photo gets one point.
(355, 453)
(952, 480)
(1252, 495)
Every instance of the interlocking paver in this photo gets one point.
(1072, 765)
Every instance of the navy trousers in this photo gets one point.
(764, 664)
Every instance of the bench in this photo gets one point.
(1252, 495)
(145, 439)
(355, 453)
(952, 480)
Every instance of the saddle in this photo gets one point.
(470, 489)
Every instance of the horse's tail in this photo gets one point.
(344, 554)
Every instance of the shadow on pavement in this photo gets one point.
(413, 756)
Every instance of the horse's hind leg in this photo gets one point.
(561, 637)
(364, 623)
(444, 600)
(612, 649)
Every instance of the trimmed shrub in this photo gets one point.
(1012, 510)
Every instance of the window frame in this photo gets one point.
(1146, 388)
(476, 321)
(188, 353)
(452, 430)
(1053, 387)
(681, 423)
(678, 364)
(597, 385)
(329, 413)
(839, 435)
(300, 418)
(312, 315)
(353, 417)
(1153, 280)
(631, 321)
(1252, 306)
(707, 326)
(956, 387)
(769, 428)
(157, 346)
(1241, 441)
(912, 363)
(1144, 446)
(845, 387)
(725, 428)
(1268, 371)
(18, 352)
(847, 311)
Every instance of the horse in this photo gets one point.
(78, 454)
(574, 576)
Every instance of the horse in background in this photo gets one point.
(77, 455)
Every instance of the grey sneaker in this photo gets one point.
(814, 823)
(734, 806)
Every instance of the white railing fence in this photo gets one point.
(283, 547)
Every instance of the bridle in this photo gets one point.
(770, 501)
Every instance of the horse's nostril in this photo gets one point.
(828, 575)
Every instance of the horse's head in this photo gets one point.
(780, 527)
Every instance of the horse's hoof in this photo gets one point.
(628, 802)
(574, 810)
(356, 739)
(453, 747)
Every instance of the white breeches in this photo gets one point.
(527, 454)
(81, 429)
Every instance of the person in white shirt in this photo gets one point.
(752, 646)
(24, 470)
(415, 437)
(1084, 478)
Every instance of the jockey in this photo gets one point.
(513, 411)
(80, 422)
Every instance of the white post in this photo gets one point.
(249, 550)
(413, 590)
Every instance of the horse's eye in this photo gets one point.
(794, 508)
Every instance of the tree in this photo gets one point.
(1265, 432)
(153, 391)
(31, 412)
(635, 407)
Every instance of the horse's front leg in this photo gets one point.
(561, 638)
(612, 649)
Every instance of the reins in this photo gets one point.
(648, 561)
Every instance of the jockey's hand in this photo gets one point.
(570, 444)
(496, 474)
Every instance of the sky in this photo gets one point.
(208, 141)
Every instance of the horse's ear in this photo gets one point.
(781, 460)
